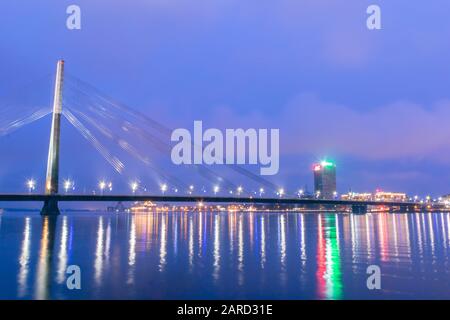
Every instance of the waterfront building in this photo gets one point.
(357, 196)
(390, 196)
(325, 180)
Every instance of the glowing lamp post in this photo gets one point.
(68, 185)
(261, 191)
(31, 184)
(102, 186)
(134, 186)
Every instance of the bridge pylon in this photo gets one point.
(52, 178)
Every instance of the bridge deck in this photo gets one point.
(208, 199)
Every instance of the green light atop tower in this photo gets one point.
(326, 163)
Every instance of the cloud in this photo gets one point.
(348, 49)
(309, 125)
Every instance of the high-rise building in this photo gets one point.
(325, 179)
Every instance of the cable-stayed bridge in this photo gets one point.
(88, 110)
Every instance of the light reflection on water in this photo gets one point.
(225, 255)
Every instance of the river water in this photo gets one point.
(226, 255)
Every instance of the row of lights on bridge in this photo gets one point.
(103, 186)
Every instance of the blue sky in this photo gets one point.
(376, 102)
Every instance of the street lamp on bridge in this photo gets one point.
(134, 186)
(68, 184)
(31, 184)
(261, 191)
(102, 186)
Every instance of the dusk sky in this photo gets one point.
(376, 102)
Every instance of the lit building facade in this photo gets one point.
(357, 196)
(325, 180)
(390, 196)
(445, 199)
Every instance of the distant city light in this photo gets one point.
(163, 188)
(216, 189)
(281, 192)
(239, 190)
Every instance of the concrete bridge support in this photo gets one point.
(359, 208)
(403, 209)
(50, 208)
(52, 180)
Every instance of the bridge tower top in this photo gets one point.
(52, 179)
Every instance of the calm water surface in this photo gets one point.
(224, 255)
